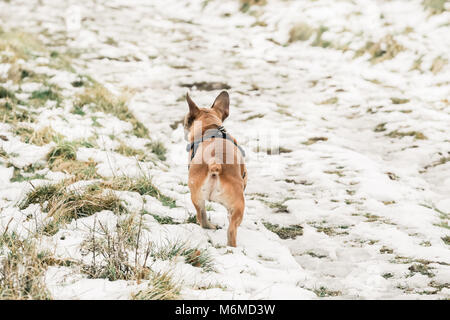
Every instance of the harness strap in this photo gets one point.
(220, 132)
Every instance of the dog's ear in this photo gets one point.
(193, 109)
(222, 105)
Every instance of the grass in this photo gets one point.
(336, 172)
(314, 140)
(74, 205)
(323, 292)
(441, 161)
(399, 100)
(3, 153)
(318, 41)
(255, 116)
(315, 255)
(194, 256)
(416, 134)
(300, 32)
(21, 45)
(328, 230)
(142, 185)
(110, 254)
(12, 113)
(111, 258)
(63, 157)
(163, 219)
(384, 49)
(279, 206)
(276, 150)
(64, 205)
(191, 219)
(161, 286)
(332, 100)
(19, 177)
(63, 151)
(78, 110)
(42, 194)
(11, 109)
(40, 97)
(434, 6)
(380, 127)
(289, 232)
(446, 240)
(158, 148)
(128, 151)
(438, 64)
(7, 94)
(99, 99)
(22, 269)
(247, 4)
(422, 269)
(81, 170)
(386, 250)
(40, 137)
(303, 32)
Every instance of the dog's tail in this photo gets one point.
(214, 168)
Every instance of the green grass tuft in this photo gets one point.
(416, 134)
(289, 232)
(159, 149)
(142, 185)
(194, 256)
(163, 219)
(64, 150)
(324, 292)
(446, 240)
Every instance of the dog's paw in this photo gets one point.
(209, 225)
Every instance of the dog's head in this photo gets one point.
(198, 119)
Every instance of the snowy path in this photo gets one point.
(373, 204)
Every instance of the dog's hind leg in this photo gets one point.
(235, 216)
(202, 218)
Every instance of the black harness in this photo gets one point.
(220, 132)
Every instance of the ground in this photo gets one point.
(342, 108)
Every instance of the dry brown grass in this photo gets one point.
(81, 170)
(101, 99)
(40, 137)
(438, 64)
(11, 110)
(128, 151)
(64, 205)
(416, 134)
(160, 287)
(110, 252)
(247, 4)
(300, 32)
(434, 6)
(18, 45)
(111, 260)
(142, 185)
(22, 269)
(74, 205)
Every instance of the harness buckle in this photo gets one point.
(222, 129)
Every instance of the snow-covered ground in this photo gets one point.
(364, 142)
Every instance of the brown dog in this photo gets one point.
(216, 171)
